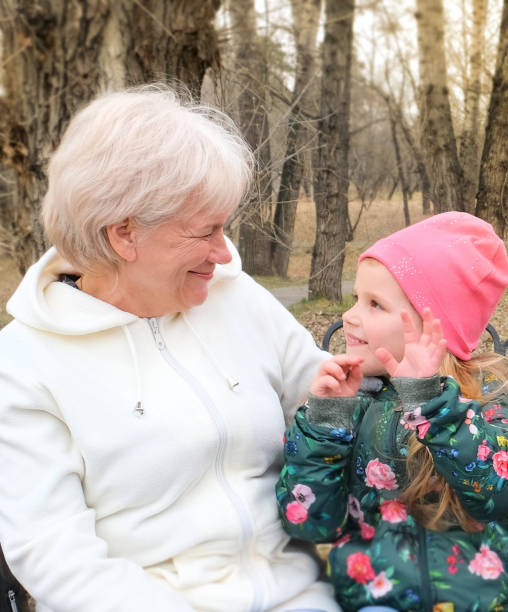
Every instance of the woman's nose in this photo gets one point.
(220, 253)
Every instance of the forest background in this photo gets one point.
(364, 116)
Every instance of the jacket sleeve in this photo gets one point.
(469, 445)
(46, 529)
(312, 492)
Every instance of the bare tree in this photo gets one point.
(400, 169)
(54, 57)
(470, 137)
(252, 117)
(332, 180)
(437, 135)
(305, 26)
(492, 199)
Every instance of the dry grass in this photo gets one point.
(10, 278)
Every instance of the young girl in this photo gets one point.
(406, 472)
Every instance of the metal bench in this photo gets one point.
(500, 346)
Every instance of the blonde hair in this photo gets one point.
(147, 153)
(429, 498)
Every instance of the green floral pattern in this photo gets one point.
(343, 487)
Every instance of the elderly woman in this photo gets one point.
(145, 380)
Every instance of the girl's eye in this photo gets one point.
(376, 304)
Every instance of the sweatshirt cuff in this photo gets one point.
(333, 412)
(414, 392)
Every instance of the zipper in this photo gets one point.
(236, 501)
(12, 600)
(423, 563)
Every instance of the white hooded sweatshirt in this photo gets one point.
(139, 456)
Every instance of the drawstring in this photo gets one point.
(139, 411)
(232, 382)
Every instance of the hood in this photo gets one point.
(47, 305)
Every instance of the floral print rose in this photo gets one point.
(393, 511)
(486, 564)
(500, 461)
(296, 513)
(483, 451)
(380, 475)
(359, 568)
(380, 585)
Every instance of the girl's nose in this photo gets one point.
(350, 316)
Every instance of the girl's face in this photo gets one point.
(374, 321)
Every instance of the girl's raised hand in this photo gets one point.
(339, 376)
(423, 353)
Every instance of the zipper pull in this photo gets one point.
(139, 411)
(159, 341)
(12, 600)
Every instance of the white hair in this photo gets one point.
(144, 153)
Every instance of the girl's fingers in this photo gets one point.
(387, 359)
(332, 368)
(346, 360)
(410, 331)
(439, 353)
(325, 386)
(355, 376)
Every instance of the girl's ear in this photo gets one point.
(123, 238)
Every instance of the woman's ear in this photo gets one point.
(123, 238)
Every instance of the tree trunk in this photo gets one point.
(420, 165)
(252, 117)
(50, 50)
(400, 170)
(306, 21)
(332, 180)
(57, 55)
(470, 137)
(438, 140)
(174, 40)
(492, 199)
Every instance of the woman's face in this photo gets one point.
(174, 264)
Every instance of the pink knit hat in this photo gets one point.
(453, 263)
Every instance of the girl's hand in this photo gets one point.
(339, 376)
(423, 354)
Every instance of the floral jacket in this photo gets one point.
(341, 485)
